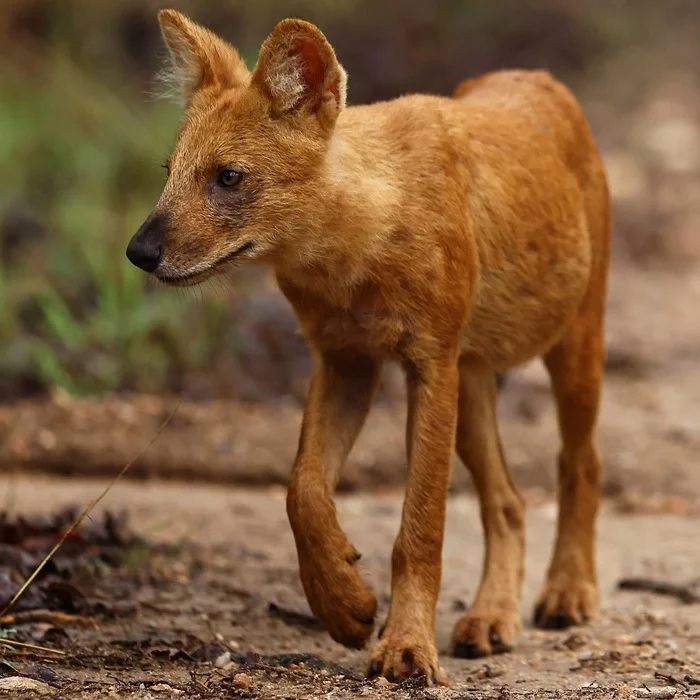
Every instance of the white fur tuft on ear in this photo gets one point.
(196, 58)
(176, 80)
(183, 70)
(284, 79)
(342, 87)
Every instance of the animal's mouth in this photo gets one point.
(186, 279)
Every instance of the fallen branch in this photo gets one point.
(85, 512)
(685, 594)
(670, 679)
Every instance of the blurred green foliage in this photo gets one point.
(79, 169)
(81, 142)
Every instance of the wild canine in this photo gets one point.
(459, 236)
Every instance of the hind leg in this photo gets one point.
(575, 364)
(493, 621)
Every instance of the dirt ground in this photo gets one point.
(192, 617)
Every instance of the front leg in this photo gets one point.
(339, 398)
(407, 646)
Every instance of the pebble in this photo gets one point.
(663, 693)
(162, 688)
(242, 681)
(383, 682)
(18, 684)
(223, 660)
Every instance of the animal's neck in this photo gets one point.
(343, 247)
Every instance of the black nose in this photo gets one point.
(145, 249)
(144, 255)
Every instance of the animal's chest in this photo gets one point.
(374, 332)
(367, 324)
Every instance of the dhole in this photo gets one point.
(458, 236)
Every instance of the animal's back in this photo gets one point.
(534, 110)
(539, 209)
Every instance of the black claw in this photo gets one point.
(408, 665)
(537, 617)
(558, 620)
(375, 670)
(381, 631)
(392, 677)
(354, 557)
(468, 650)
(498, 646)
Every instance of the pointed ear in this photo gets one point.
(299, 73)
(198, 58)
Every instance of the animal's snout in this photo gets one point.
(145, 249)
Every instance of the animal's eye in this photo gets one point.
(229, 178)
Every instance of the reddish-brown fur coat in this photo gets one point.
(458, 236)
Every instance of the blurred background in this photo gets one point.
(94, 357)
(81, 141)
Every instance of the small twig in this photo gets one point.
(682, 593)
(670, 679)
(196, 681)
(85, 512)
(32, 647)
(54, 617)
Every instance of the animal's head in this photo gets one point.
(243, 176)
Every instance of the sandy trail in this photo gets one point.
(244, 558)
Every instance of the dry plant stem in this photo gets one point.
(32, 647)
(85, 512)
(670, 679)
(54, 617)
(684, 594)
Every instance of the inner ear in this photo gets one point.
(312, 71)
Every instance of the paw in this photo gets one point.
(486, 630)
(339, 597)
(566, 600)
(398, 657)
